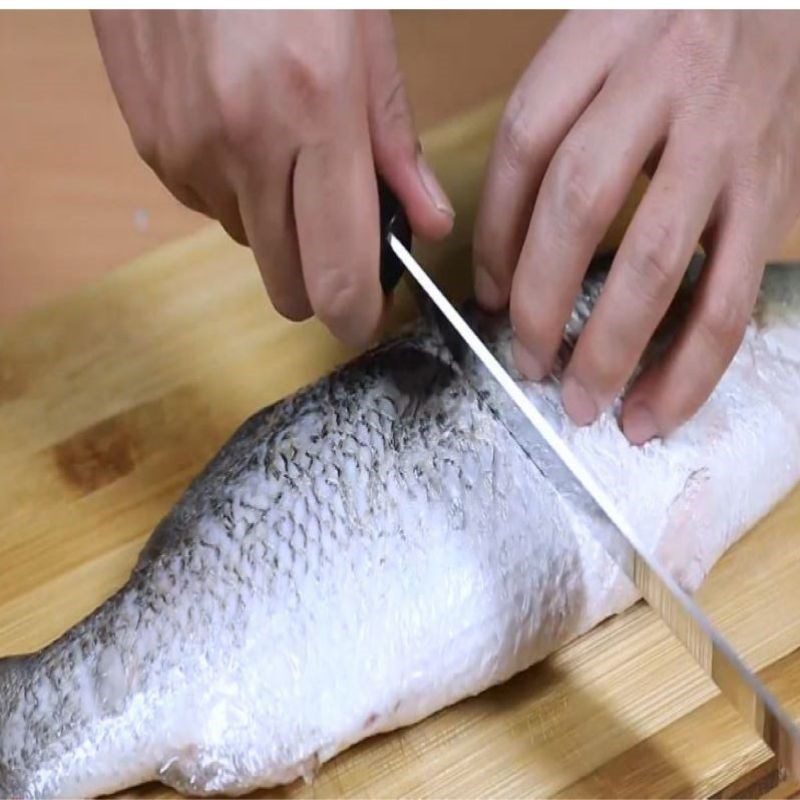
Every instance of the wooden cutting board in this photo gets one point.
(113, 399)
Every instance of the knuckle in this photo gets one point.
(287, 294)
(599, 365)
(336, 297)
(187, 195)
(654, 261)
(235, 119)
(393, 137)
(146, 144)
(237, 123)
(692, 34)
(493, 268)
(233, 226)
(313, 76)
(171, 148)
(390, 115)
(579, 201)
(694, 29)
(532, 325)
(703, 45)
(718, 154)
(169, 161)
(395, 103)
(496, 248)
(722, 322)
(517, 135)
(290, 307)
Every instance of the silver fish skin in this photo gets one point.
(371, 550)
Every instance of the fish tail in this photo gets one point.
(55, 701)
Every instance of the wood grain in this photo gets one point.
(112, 400)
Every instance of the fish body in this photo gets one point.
(373, 549)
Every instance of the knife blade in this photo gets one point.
(540, 441)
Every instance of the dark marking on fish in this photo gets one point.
(370, 721)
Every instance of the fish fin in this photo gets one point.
(777, 312)
(779, 296)
(198, 771)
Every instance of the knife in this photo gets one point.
(554, 459)
(394, 223)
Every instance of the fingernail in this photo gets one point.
(578, 403)
(487, 290)
(527, 363)
(638, 424)
(433, 188)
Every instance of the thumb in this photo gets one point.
(395, 146)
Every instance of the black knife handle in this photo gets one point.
(395, 221)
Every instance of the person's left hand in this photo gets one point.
(707, 103)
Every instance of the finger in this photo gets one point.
(220, 203)
(394, 140)
(582, 191)
(269, 223)
(336, 208)
(547, 101)
(231, 220)
(184, 194)
(644, 277)
(670, 392)
(215, 200)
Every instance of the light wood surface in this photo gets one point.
(111, 400)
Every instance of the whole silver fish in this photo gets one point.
(371, 550)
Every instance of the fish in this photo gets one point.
(376, 547)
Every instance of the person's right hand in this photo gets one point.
(274, 123)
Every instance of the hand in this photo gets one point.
(709, 105)
(274, 124)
